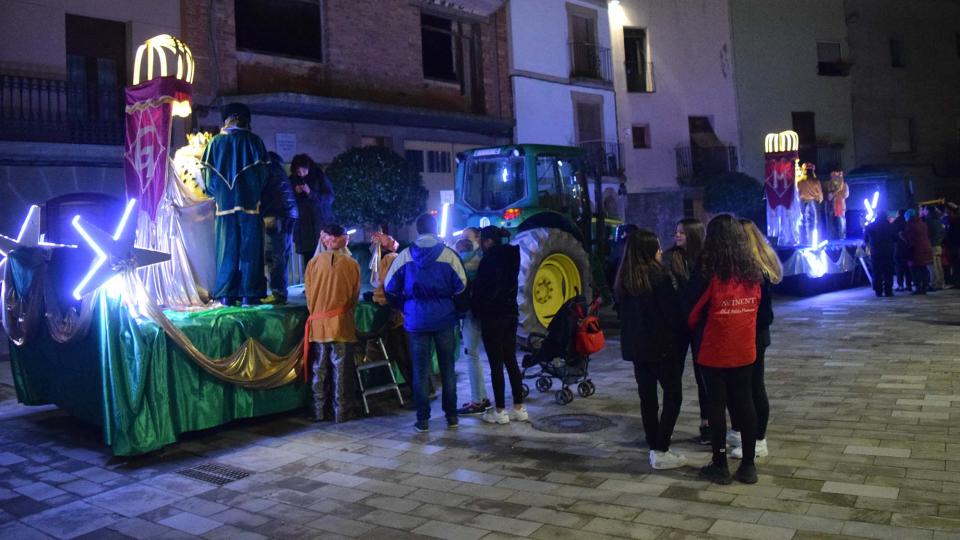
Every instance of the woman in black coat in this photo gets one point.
(493, 301)
(681, 260)
(651, 321)
(314, 193)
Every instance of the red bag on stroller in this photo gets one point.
(589, 337)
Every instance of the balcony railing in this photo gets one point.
(50, 110)
(602, 157)
(590, 61)
(695, 164)
(640, 77)
(839, 68)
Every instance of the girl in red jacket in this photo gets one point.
(724, 321)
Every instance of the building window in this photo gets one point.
(438, 161)
(639, 71)
(587, 59)
(280, 27)
(437, 48)
(902, 135)
(828, 51)
(830, 61)
(896, 53)
(415, 159)
(641, 136)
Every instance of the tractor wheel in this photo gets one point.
(553, 269)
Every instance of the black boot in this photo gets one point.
(716, 473)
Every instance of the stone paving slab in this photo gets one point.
(864, 443)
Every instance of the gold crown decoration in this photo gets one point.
(199, 139)
(159, 47)
(785, 141)
(186, 163)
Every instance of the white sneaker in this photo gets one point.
(666, 460)
(493, 416)
(519, 415)
(733, 438)
(761, 450)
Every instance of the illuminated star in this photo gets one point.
(29, 235)
(113, 253)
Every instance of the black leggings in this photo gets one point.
(760, 401)
(669, 375)
(500, 341)
(684, 345)
(731, 385)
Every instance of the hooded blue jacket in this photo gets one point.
(428, 283)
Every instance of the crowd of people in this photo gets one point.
(710, 292)
(260, 210)
(915, 250)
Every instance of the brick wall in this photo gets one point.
(195, 24)
(371, 53)
(496, 65)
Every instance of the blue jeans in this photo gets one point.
(421, 350)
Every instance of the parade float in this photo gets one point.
(107, 302)
(807, 228)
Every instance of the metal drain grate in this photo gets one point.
(214, 473)
(571, 423)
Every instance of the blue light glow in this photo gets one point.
(123, 220)
(443, 219)
(98, 261)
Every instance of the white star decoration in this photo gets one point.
(29, 233)
(112, 254)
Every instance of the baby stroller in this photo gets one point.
(564, 352)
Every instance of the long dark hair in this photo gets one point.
(639, 268)
(726, 252)
(302, 160)
(682, 258)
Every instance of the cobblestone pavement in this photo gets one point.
(864, 442)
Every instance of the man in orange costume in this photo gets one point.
(811, 195)
(332, 288)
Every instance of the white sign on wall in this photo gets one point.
(446, 196)
(286, 144)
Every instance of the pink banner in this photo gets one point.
(147, 144)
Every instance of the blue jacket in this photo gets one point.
(428, 283)
(235, 170)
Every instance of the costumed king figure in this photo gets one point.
(835, 207)
(811, 195)
(235, 172)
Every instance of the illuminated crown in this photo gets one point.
(169, 51)
(198, 140)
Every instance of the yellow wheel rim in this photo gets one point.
(556, 281)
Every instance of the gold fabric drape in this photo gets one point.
(250, 366)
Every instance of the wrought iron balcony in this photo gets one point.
(51, 110)
(695, 163)
(590, 61)
(602, 157)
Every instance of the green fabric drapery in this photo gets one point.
(127, 376)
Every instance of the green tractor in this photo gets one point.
(539, 194)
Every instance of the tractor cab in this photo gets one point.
(505, 186)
